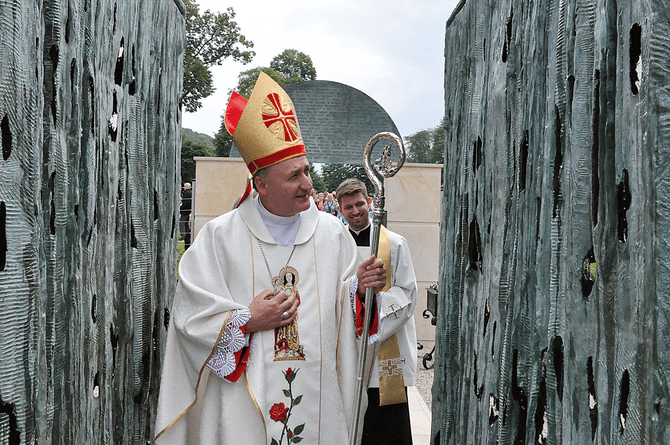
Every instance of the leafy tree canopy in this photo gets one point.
(317, 181)
(332, 175)
(293, 66)
(190, 149)
(223, 141)
(197, 137)
(290, 66)
(247, 79)
(210, 39)
(426, 146)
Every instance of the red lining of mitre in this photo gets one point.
(276, 157)
(234, 111)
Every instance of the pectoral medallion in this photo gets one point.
(287, 339)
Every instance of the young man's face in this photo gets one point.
(356, 209)
(286, 187)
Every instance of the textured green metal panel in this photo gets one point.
(553, 318)
(89, 112)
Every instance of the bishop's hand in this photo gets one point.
(371, 273)
(269, 310)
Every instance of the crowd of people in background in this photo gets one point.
(327, 202)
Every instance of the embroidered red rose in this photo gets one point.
(278, 412)
(281, 413)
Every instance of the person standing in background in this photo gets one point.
(185, 214)
(387, 419)
(329, 205)
(320, 200)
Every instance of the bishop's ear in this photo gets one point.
(260, 185)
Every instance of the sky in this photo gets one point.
(391, 50)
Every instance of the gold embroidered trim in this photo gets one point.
(253, 292)
(197, 385)
(384, 254)
(389, 360)
(253, 399)
(318, 302)
(391, 380)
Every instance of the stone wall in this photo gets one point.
(413, 210)
(553, 323)
(218, 182)
(89, 119)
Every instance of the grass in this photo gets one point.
(180, 252)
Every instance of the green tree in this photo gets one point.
(293, 66)
(210, 39)
(333, 174)
(438, 143)
(197, 137)
(426, 146)
(290, 66)
(419, 146)
(190, 149)
(247, 79)
(223, 141)
(317, 180)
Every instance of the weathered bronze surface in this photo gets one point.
(554, 315)
(89, 119)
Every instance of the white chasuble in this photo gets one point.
(292, 353)
(299, 381)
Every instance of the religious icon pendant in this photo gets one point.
(287, 338)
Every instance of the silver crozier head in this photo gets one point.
(381, 169)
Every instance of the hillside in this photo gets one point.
(198, 137)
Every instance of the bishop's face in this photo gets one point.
(356, 210)
(285, 189)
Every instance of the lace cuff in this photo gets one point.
(359, 310)
(224, 361)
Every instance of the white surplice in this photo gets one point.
(396, 307)
(221, 272)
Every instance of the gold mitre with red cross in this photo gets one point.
(264, 128)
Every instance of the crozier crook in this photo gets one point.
(381, 169)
